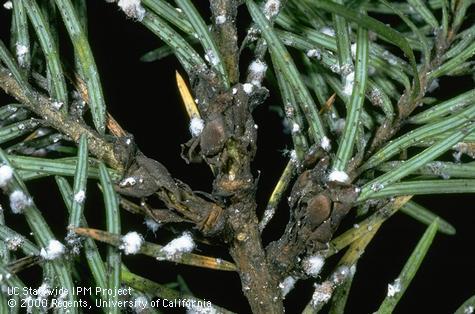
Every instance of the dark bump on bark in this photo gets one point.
(317, 209)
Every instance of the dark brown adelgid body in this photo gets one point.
(317, 208)
(213, 137)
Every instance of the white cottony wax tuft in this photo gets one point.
(212, 58)
(353, 50)
(129, 181)
(6, 174)
(293, 156)
(131, 243)
(247, 88)
(312, 265)
(323, 293)
(257, 66)
(295, 128)
(271, 8)
(394, 288)
(21, 52)
(220, 19)
(19, 201)
(54, 250)
(328, 31)
(8, 5)
(196, 126)
(132, 8)
(325, 144)
(469, 309)
(79, 197)
(287, 285)
(338, 176)
(14, 243)
(57, 105)
(180, 245)
(314, 53)
(257, 71)
(349, 82)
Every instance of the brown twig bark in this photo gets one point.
(121, 154)
(116, 155)
(228, 144)
(224, 27)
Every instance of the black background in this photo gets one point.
(144, 99)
